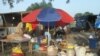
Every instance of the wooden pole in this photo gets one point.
(21, 15)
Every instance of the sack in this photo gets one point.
(91, 54)
(62, 53)
(51, 51)
(70, 52)
(80, 50)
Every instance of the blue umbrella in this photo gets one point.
(97, 22)
(48, 16)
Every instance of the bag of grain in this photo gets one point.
(80, 50)
(51, 51)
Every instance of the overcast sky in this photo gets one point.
(75, 6)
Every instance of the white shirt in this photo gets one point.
(48, 35)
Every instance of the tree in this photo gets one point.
(78, 15)
(87, 14)
(33, 7)
(10, 2)
(43, 4)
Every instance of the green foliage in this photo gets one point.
(10, 2)
(87, 13)
(77, 15)
(43, 4)
(67, 1)
(33, 7)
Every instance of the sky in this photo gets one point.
(75, 6)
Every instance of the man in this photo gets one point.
(48, 36)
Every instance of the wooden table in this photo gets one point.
(14, 41)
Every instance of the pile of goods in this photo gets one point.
(43, 45)
(14, 37)
(63, 44)
(52, 51)
(16, 51)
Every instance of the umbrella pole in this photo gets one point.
(48, 36)
(48, 26)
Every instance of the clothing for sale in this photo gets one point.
(29, 26)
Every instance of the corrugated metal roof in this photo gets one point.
(16, 12)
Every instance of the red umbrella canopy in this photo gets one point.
(32, 16)
(34, 25)
(65, 18)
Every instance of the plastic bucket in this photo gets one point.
(92, 43)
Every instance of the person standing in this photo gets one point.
(48, 36)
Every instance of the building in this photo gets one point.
(9, 20)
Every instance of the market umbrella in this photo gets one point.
(48, 17)
(63, 17)
(32, 18)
